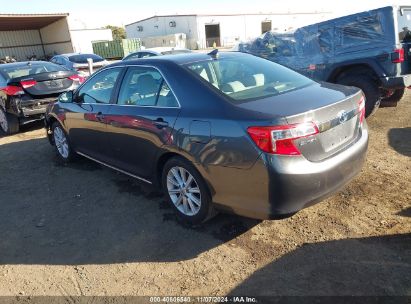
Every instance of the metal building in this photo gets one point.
(25, 35)
(224, 30)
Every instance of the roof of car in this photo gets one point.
(181, 58)
(23, 63)
(159, 50)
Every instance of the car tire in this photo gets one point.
(368, 86)
(392, 100)
(186, 191)
(9, 123)
(62, 143)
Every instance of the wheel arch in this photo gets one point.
(161, 161)
(166, 156)
(49, 121)
(354, 68)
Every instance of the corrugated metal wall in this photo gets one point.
(47, 41)
(20, 44)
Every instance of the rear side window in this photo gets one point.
(99, 88)
(144, 86)
(30, 69)
(82, 58)
(404, 25)
(248, 77)
(366, 29)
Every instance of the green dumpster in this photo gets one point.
(116, 49)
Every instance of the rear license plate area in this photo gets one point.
(339, 135)
(57, 83)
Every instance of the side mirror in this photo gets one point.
(66, 97)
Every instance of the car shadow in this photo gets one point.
(35, 125)
(374, 266)
(84, 213)
(400, 140)
(406, 212)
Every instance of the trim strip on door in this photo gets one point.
(114, 168)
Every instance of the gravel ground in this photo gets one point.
(83, 229)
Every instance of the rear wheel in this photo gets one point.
(9, 123)
(368, 86)
(62, 143)
(393, 99)
(186, 191)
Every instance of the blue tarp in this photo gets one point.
(311, 49)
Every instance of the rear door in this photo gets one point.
(142, 120)
(87, 122)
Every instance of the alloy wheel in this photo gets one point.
(184, 191)
(61, 143)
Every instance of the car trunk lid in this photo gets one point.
(333, 109)
(44, 83)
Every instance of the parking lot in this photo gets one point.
(83, 229)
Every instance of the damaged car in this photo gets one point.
(369, 50)
(26, 88)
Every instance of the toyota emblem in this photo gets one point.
(342, 116)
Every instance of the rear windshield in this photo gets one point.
(404, 25)
(29, 69)
(175, 52)
(82, 58)
(247, 77)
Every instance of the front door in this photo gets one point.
(87, 120)
(142, 120)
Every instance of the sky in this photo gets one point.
(98, 13)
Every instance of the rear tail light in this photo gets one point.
(361, 108)
(280, 139)
(13, 90)
(397, 56)
(28, 83)
(77, 78)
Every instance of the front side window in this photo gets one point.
(144, 86)
(99, 88)
(248, 77)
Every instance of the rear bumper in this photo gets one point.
(396, 82)
(32, 107)
(281, 185)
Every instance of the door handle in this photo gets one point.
(160, 123)
(100, 116)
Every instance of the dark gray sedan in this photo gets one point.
(226, 131)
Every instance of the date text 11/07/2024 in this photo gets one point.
(233, 299)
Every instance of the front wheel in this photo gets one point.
(186, 191)
(62, 143)
(368, 86)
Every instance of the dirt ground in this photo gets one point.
(84, 229)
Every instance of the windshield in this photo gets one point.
(248, 77)
(30, 69)
(404, 25)
(82, 58)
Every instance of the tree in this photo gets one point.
(117, 31)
